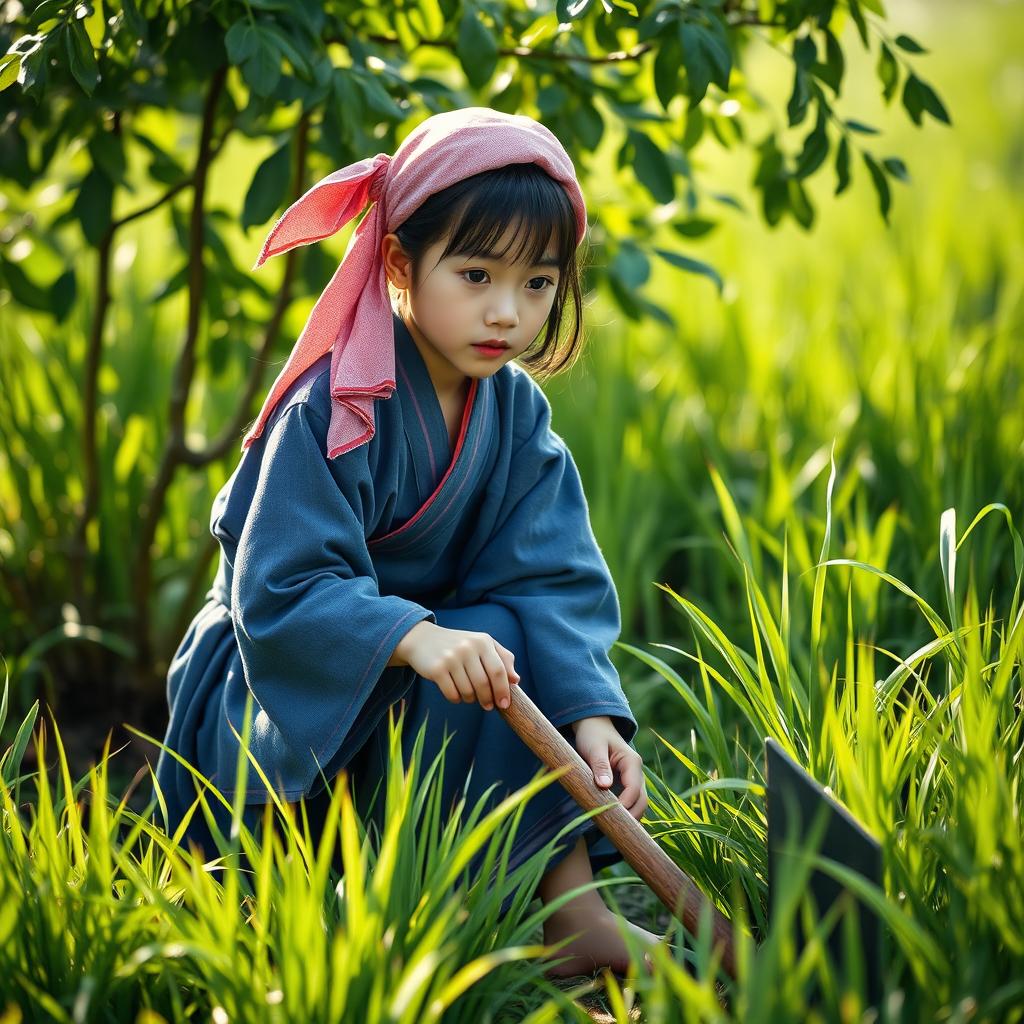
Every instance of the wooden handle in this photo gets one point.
(672, 886)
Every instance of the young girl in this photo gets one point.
(404, 525)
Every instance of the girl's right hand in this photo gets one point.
(466, 666)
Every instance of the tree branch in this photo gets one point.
(152, 508)
(232, 432)
(743, 18)
(78, 547)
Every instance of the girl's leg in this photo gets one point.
(485, 749)
(594, 930)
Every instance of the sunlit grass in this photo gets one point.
(99, 905)
(103, 915)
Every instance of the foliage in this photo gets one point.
(85, 91)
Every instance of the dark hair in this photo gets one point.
(477, 211)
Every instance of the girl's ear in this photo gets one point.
(397, 265)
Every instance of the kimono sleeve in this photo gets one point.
(540, 559)
(313, 630)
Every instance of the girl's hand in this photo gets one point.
(466, 666)
(601, 745)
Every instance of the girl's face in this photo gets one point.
(462, 301)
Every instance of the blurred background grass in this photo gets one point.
(901, 343)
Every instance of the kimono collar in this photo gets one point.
(352, 319)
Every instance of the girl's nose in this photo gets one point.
(503, 316)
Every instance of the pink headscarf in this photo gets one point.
(353, 316)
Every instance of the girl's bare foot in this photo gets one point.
(599, 944)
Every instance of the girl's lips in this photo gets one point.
(490, 350)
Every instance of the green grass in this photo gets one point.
(810, 493)
(103, 912)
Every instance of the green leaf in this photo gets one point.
(262, 71)
(695, 227)
(62, 295)
(896, 167)
(716, 45)
(25, 291)
(858, 18)
(652, 167)
(694, 130)
(288, 47)
(540, 30)
(10, 66)
(93, 205)
(918, 96)
(588, 124)
(630, 265)
(905, 42)
(706, 58)
(378, 99)
(815, 148)
(81, 58)
(881, 185)
(268, 188)
(167, 288)
(163, 167)
(913, 98)
(348, 107)
(242, 41)
(107, 152)
(569, 10)
(770, 166)
(667, 63)
(887, 71)
(932, 103)
(551, 100)
(842, 166)
(831, 72)
(805, 51)
(476, 48)
(135, 21)
(799, 203)
(658, 21)
(33, 63)
(775, 200)
(796, 107)
(691, 265)
(859, 126)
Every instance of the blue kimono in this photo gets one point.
(326, 564)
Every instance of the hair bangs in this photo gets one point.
(525, 199)
(474, 214)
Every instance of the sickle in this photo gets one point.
(670, 883)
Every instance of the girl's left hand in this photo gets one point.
(601, 745)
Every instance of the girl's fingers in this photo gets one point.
(601, 767)
(632, 775)
(494, 667)
(509, 661)
(448, 688)
(466, 692)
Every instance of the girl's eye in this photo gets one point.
(543, 287)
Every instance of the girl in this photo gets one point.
(431, 546)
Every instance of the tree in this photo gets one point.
(330, 83)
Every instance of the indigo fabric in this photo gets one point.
(325, 564)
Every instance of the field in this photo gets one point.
(810, 491)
